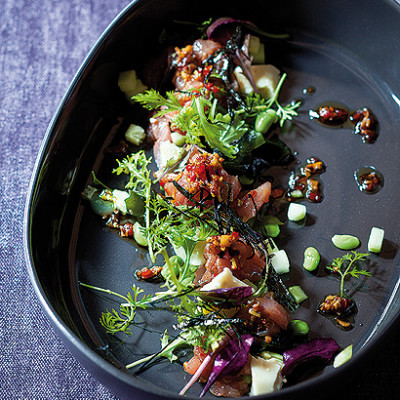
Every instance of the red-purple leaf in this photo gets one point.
(236, 293)
(230, 360)
(322, 349)
(225, 21)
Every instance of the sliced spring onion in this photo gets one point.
(344, 356)
(298, 294)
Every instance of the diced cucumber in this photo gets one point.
(296, 212)
(376, 239)
(266, 77)
(280, 262)
(135, 134)
(119, 197)
(256, 50)
(170, 153)
(178, 139)
(130, 84)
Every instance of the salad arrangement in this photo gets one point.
(201, 202)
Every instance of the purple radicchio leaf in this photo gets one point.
(223, 21)
(322, 349)
(235, 293)
(230, 360)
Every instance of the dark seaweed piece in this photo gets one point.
(226, 219)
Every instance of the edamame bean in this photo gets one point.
(138, 234)
(311, 259)
(299, 327)
(272, 230)
(244, 180)
(265, 120)
(345, 242)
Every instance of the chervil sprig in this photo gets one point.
(153, 100)
(349, 265)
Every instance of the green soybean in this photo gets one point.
(272, 230)
(311, 259)
(345, 242)
(299, 327)
(265, 120)
(244, 180)
(139, 235)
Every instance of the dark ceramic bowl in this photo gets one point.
(349, 51)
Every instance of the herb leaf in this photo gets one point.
(348, 265)
(153, 100)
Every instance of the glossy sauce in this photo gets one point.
(368, 179)
(303, 182)
(342, 315)
(363, 122)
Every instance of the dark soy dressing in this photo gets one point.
(368, 179)
(341, 311)
(362, 121)
(303, 182)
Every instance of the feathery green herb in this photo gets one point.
(349, 265)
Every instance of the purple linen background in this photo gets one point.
(42, 45)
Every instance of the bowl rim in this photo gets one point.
(71, 341)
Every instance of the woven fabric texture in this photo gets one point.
(42, 45)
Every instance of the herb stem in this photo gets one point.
(175, 280)
(147, 220)
(343, 275)
(108, 291)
